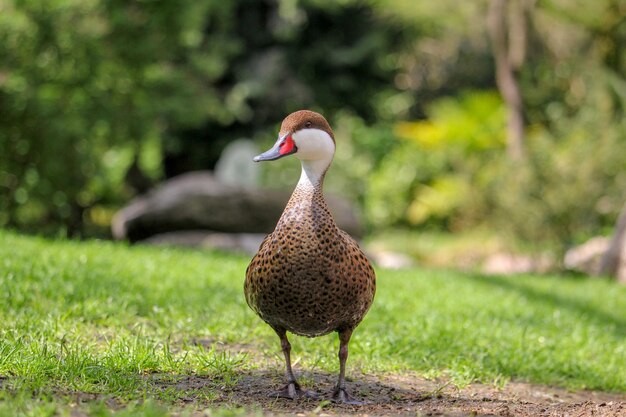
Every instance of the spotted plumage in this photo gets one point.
(309, 277)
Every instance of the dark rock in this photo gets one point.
(197, 201)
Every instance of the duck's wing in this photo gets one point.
(358, 256)
(259, 252)
(250, 275)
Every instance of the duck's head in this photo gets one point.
(305, 134)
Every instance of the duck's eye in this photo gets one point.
(308, 124)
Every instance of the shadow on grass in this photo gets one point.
(575, 305)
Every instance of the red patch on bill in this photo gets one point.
(286, 146)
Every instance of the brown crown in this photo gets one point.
(305, 119)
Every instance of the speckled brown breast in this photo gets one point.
(309, 277)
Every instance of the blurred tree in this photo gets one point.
(506, 23)
(564, 66)
(82, 82)
(574, 87)
(614, 260)
(288, 55)
(452, 54)
(100, 97)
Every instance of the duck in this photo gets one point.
(309, 277)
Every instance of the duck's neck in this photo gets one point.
(307, 205)
(312, 176)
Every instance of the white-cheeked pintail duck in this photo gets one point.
(309, 277)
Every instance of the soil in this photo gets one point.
(408, 395)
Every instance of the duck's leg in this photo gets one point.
(340, 394)
(292, 389)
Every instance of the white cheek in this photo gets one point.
(314, 144)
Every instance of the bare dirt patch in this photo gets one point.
(399, 395)
(388, 394)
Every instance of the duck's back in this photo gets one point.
(310, 277)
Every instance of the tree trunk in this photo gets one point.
(614, 260)
(505, 71)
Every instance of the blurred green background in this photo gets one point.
(100, 99)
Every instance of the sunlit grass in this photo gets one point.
(108, 322)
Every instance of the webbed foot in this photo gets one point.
(293, 391)
(341, 396)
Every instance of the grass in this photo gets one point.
(95, 326)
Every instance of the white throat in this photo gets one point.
(315, 150)
(312, 173)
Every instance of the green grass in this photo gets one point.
(102, 326)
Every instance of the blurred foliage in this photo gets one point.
(429, 176)
(321, 54)
(83, 86)
(574, 182)
(99, 99)
(452, 173)
(472, 122)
